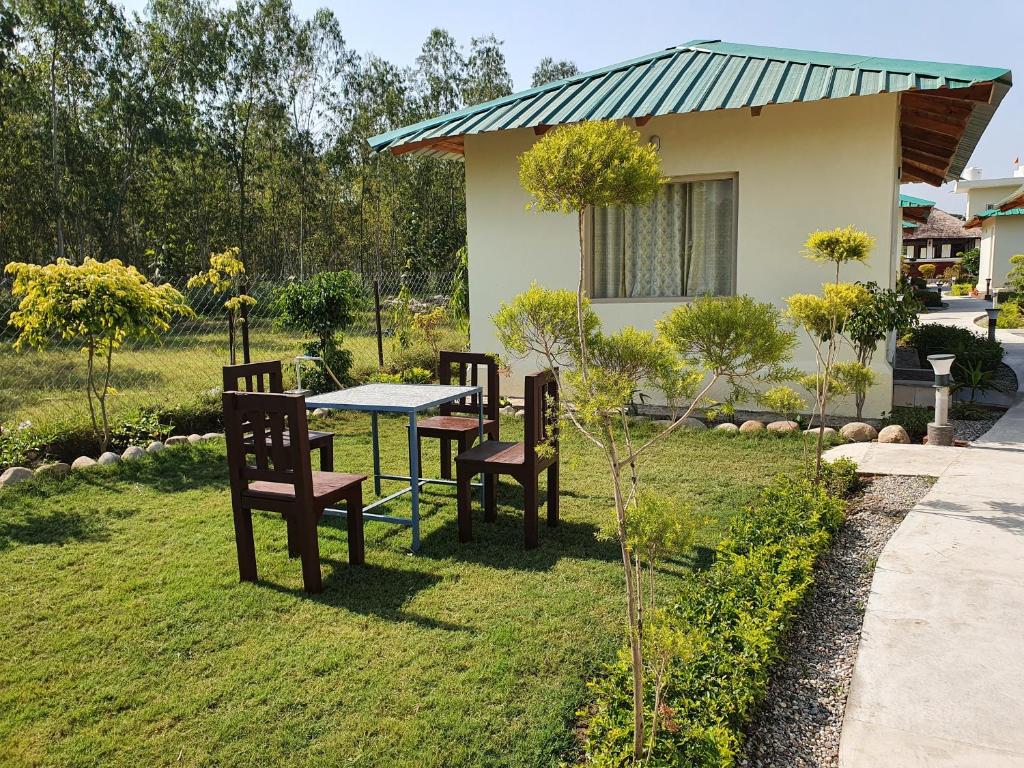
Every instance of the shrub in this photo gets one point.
(17, 446)
(840, 477)
(1011, 317)
(928, 298)
(732, 618)
(971, 411)
(912, 418)
(918, 282)
(927, 271)
(970, 348)
(970, 261)
(961, 289)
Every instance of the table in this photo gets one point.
(409, 399)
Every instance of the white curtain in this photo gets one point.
(680, 244)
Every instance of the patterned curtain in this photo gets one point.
(681, 244)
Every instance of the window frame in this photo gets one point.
(588, 247)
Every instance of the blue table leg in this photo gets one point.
(376, 453)
(414, 480)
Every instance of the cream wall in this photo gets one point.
(800, 167)
(1001, 238)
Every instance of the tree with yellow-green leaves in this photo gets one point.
(226, 276)
(824, 317)
(97, 304)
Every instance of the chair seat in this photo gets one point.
(453, 424)
(328, 487)
(494, 452)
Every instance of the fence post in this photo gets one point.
(376, 312)
(231, 337)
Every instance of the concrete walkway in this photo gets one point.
(939, 678)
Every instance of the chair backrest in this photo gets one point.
(541, 416)
(264, 376)
(467, 367)
(272, 428)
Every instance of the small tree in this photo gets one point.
(323, 305)
(927, 271)
(784, 401)
(970, 262)
(226, 276)
(1015, 278)
(99, 305)
(823, 318)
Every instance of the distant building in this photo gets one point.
(937, 240)
(996, 207)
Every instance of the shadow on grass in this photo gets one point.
(184, 468)
(61, 526)
(372, 590)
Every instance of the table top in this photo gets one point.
(390, 398)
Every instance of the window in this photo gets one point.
(681, 244)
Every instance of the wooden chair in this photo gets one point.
(463, 429)
(523, 461)
(281, 480)
(266, 377)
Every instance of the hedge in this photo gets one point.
(735, 615)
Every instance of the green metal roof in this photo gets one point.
(909, 225)
(1012, 199)
(701, 76)
(908, 201)
(996, 212)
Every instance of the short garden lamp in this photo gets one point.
(988, 289)
(993, 318)
(940, 431)
(299, 360)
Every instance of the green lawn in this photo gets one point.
(127, 639)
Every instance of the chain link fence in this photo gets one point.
(183, 364)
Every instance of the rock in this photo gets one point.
(133, 453)
(15, 475)
(212, 436)
(814, 431)
(108, 458)
(155, 447)
(194, 438)
(894, 433)
(691, 423)
(55, 469)
(176, 440)
(753, 425)
(859, 432)
(727, 426)
(319, 412)
(82, 462)
(783, 426)
(520, 414)
(508, 410)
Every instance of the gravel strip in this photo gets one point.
(801, 719)
(971, 430)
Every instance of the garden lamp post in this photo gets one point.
(988, 289)
(940, 431)
(993, 318)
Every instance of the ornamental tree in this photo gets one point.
(226, 276)
(99, 305)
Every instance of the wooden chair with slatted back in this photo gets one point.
(523, 461)
(272, 472)
(460, 421)
(266, 376)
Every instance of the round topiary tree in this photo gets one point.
(99, 305)
(323, 306)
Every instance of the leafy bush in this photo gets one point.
(918, 282)
(927, 271)
(840, 477)
(928, 298)
(912, 418)
(1011, 317)
(732, 618)
(961, 289)
(17, 446)
(969, 347)
(970, 261)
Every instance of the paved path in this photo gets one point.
(939, 678)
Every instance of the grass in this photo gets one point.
(128, 640)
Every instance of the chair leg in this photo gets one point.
(244, 543)
(553, 495)
(327, 457)
(312, 581)
(446, 458)
(490, 497)
(354, 521)
(530, 494)
(463, 496)
(294, 536)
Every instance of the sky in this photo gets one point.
(601, 32)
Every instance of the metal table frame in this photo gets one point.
(349, 400)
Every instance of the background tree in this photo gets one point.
(226, 276)
(548, 70)
(98, 305)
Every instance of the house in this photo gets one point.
(935, 239)
(997, 207)
(761, 146)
